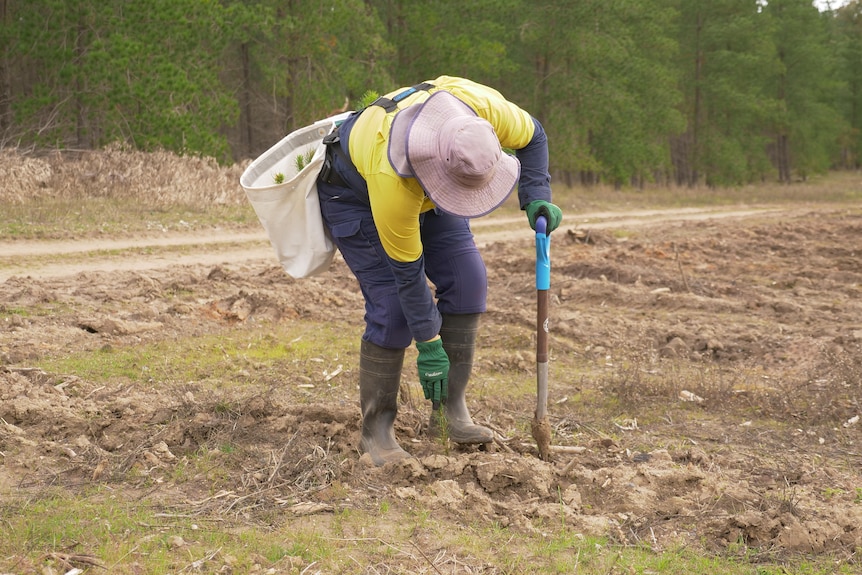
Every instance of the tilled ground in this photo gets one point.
(706, 388)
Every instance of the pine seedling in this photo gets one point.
(366, 99)
(443, 425)
(303, 160)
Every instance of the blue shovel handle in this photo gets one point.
(543, 254)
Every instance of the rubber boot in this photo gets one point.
(459, 341)
(379, 380)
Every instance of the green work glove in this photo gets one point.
(552, 213)
(433, 366)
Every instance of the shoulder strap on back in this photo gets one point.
(389, 104)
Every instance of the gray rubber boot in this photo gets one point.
(459, 340)
(379, 380)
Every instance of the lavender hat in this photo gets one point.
(455, 155)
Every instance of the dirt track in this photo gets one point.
(214, 247)
(756, 314)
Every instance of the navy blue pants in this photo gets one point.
(452, 263)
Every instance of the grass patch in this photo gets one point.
(101, 531)
(839, 188)
(235, 355)
(59, 218)
(15, 311)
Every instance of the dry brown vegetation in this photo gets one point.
(152, 179)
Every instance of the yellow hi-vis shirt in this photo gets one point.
(396, 202)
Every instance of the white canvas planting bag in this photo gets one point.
(290, 210)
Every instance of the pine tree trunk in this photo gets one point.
(246, 116)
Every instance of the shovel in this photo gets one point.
(540, 427)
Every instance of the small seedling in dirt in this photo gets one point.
(278, 178)
(303, 160)
(440, 419)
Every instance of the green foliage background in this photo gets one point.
(691, 92)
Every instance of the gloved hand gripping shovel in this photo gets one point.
(540, 426)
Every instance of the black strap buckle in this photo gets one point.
(328, 173)
(390, 104)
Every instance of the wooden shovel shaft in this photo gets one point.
(541, 354)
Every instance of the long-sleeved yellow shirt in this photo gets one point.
(396, 202)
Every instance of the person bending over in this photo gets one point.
(401, 180)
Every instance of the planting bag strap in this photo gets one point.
(389, 104)
(338, 168)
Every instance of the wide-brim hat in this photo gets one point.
(454, 154)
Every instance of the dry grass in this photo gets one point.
(829, 394)
(155, 179)
(117, 192)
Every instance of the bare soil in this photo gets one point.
(706, 382)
